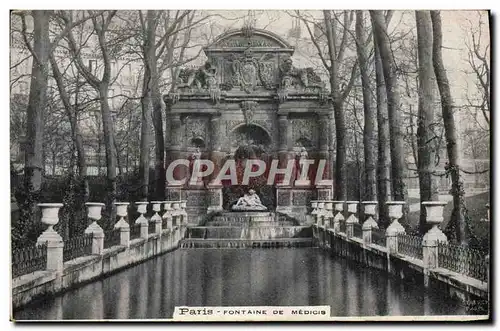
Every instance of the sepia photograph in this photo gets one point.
(250, 165)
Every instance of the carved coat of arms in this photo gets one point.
(249, 72)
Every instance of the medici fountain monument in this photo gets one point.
(249, 102)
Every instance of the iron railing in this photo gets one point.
(357, 230)
(378, 237)
(77, 247)
(151, 227)
(463, 260)
(410, 246)
(342, 227)
(112, 238)
(29, 259)
(135, 231)
(164, 223)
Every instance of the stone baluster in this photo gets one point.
(183, 213)
(434, 216)
(168, 214)
(339, 216)
(370, 223)
(328, 214)
(352, 207)
(156, 218)
(94, 214)
(121, 211)
(55, 244)
(395, 228)
(143, 221)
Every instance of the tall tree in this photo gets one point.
(369, 130)
(398, 166)
(336, 55)
(383, 149)
(101, 22)
(425, 136)
(457, 227)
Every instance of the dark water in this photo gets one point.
(240, 277)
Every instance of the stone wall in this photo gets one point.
(375, 256)
(28, 288)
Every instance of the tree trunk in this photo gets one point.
(398, 167)
(37, 103)
(340, 130)
(383, 160)
(109, 145)
(145, 143)
(369, 138)
(71, 113)
(425, 136)
(457, 228)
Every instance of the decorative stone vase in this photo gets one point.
(395, 213)
(156, 208)
(50, 214)
(434, 210)
(339, 206)
(94, 210)
(176, 207)
(395, 209)
(321, 208)
(352, 207)
(370, 207)
(142, 207)
(183, 204)
(121, 209)
(328, 213)
(167, 206)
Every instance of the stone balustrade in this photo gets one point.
(403, 252)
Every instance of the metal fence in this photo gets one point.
(342, 227)
(410, 246)
(135, 231)
(164, 223)
(111, 238)
(29, 259)
(76, 247)
(151, 227)
(357, 230)
(378, 237)
(463, 260)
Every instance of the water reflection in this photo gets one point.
(234, 277)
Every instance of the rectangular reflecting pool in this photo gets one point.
(243, 277)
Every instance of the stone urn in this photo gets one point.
(156, 209)
(183, 204)
(121, 209)
(395, 213)
(50, 214)
(167, 206)
(339, 206)
(370, 208)
(352, 207)
(94, 210)
(176, 207)
(434, 210)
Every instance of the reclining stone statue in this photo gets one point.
(249, 202)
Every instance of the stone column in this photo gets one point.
(143, 221)
(217, 156)
(352, 207)
(434, 216)
(55, 244)
(121, 211)
(174, 152)
(339, 216)
(214, 197)
(395, 228)
(370, 223)
(94, 214)
(156, 218)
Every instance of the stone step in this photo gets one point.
(231, 243)
(249, 233)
